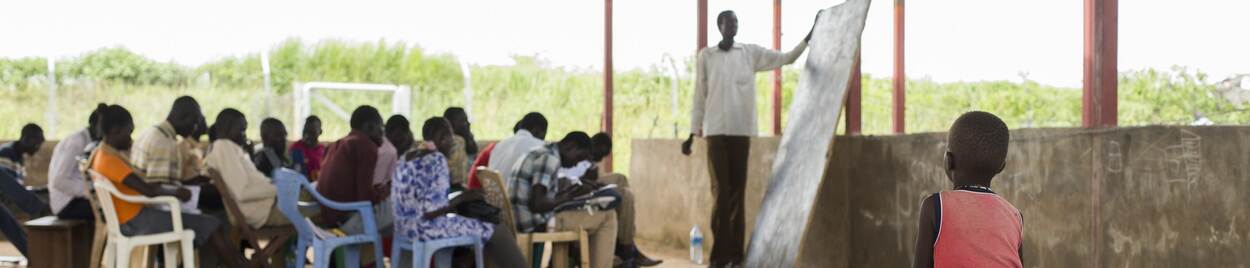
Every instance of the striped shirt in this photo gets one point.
(156, 153)
(11, 160)
(536, 168)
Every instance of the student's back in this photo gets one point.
(977, 229)
(970, 225)
(509, 151)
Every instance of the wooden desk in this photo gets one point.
(55, 242)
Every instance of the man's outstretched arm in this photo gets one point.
(768, 59)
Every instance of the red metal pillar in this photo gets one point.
(853, 100)
(607, 75)
(777, 72)
(900, 77)
(701, 35)
(1098, 103)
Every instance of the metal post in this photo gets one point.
(853, 100)
(468, 90)
(264, 67)
(607, 75)
(673, 80)
(777, 72)
(701, 36)
(1098, 103)
(900, 77)
(51, 112)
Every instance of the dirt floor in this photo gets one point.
(673, 257)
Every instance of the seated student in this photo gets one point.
(12, 187)
(251, 189)
(109, 160)
(192, 151)
(536, 192)
(420, 189)
(530, 132)
(461, 127)
(971, 226)
(308, 153)
(67, 185)
(273, 154)
(160, 157)
(398, 142)
(400, 136)
(460, 161)
(385, 165)
(626, 250)
(156, 153)
(347, 175)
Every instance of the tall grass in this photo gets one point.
(570, 98)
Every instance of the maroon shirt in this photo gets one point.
(347, 174)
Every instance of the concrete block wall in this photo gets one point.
(1126, 197)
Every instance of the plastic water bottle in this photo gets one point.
(696, 245)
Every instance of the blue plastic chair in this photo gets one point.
(289, 185)
(439, 250)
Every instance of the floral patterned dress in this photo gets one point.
(420, 186)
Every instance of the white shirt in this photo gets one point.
(508, 151)
(574, 174)
(252, 190)
(724, 88)
(65, 179)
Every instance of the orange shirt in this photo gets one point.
(108, 163)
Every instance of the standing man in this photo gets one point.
(725, 115)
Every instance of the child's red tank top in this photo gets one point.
(977, 229)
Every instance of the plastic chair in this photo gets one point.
(118, 248)
(323, 242)
(556, 243)
(436, 250)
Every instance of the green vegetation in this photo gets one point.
(571, 98)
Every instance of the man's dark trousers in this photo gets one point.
(727, 159)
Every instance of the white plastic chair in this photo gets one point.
(118, 248)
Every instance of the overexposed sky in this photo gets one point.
(949, 40)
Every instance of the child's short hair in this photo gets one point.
(978, 141)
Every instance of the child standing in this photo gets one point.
(971, 226)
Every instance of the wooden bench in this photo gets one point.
(56, 242)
